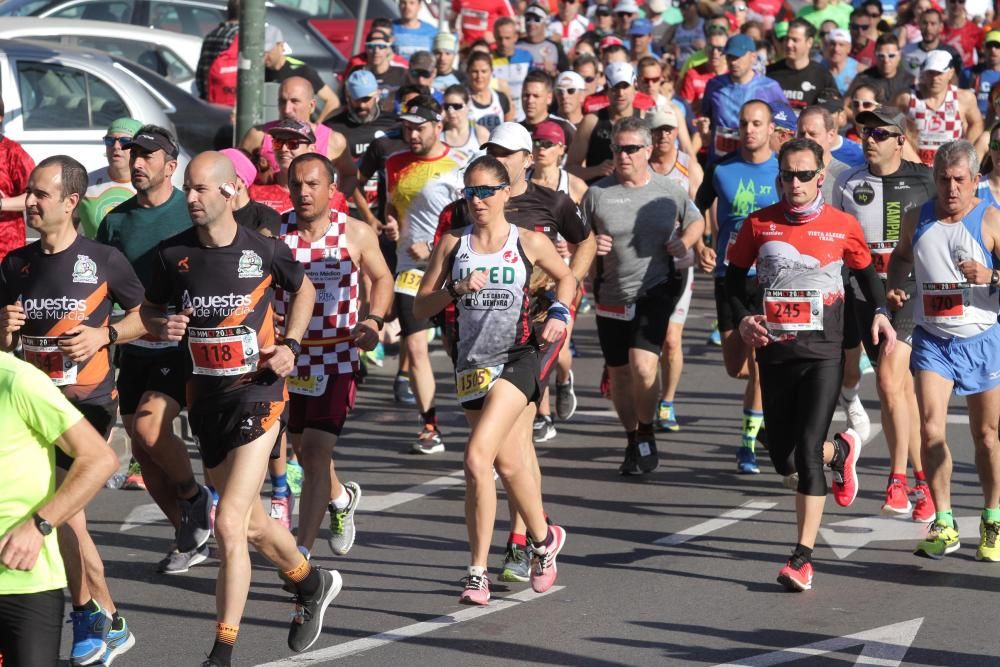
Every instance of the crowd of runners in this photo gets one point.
(831, 176)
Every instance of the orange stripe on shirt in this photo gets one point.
(92, 301)
(255, 298)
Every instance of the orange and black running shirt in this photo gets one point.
(61, 291)
(229, 291)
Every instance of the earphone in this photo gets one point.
(227, 189)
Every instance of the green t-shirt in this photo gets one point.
(838, 12)
(34, 413)
(103, 195)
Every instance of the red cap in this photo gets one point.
(549, 131)
(611, 40)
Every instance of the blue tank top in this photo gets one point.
(742, 188)
(984, 192)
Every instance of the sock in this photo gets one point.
(430, 417)
(946, 517)
(90, 606)
(838, 454)
(225, 640)
(517, 539)
(991, 513)
(645, 429)
(402, 377)
(920, 476)
(893, 478)
(343, 500)
(115, 618)
(305, 577)
(476, 571)
(752, 420)
(542, 546)
(848, 394)
(803, 551)
(279, 486)
(631, 437)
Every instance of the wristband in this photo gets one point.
(882, 310)
(707, 240)
(558, 311)
(293, 345)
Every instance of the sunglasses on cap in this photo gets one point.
(422, 73)
(290, 144)
(544, 143)
(453, 106)
(864, 104)
(788, 175)
(124, 142)
(628, 149)
(879, 134)
(482, 191)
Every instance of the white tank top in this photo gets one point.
(947, 305)
(471, 145)
(561, 186)
(489, 116)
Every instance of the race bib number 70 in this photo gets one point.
(944, 303)
(225, 351)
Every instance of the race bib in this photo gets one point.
(944, 303)
(45, 355)
(473, 19)
(408, 282)
(223, 352)
(309, 385)
(793, 310)
(927, 155)
(623, 313)
(881, 252)
(151, 342)
(726, 140)
(476, 382)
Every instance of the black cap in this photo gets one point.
(151, 138)
(416, 113)
(882, 116)
(831, 101)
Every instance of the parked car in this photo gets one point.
(337, 19)
(172, 55)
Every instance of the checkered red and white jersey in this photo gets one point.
(327, 348)
(936, 127)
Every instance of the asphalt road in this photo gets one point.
(675, 568)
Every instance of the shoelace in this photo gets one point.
(476, 582)
(302, 612)
(936, 529)
(992, 532)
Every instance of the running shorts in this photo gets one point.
(102, 415)
(226, 424)
(647, 328)
(680, 314)
(408, 323)
(326, 412)
(165, 373)
(522, 373)
(724, 312)
(902, 322)
(31, 627)
(973, 364)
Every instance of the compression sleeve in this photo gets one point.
(870, 284)
(736, 291)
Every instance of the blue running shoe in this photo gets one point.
(666, 418)
(376, 356)
(90, 631)
(401, 391)
(746, 461)
(715, 338)
(119, 640)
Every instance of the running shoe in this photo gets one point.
(584, 306)
(516, 564)
(293, 473)
(797, 575)
(857, 418)
(543, 565)
(428, 441)
(477, 589)
(119, 640)
(133, 479)
(194, 530)
(941, 540)
(845, 476)
(645, 447)
(746, 461)
(791, 482)
(923, 506)
(375, 356)
(307, 621)
(897, 499)
(666, 418)
(988, 549)
(212, 662)
(543, 429)
(90, 632)
(281, 510)
(630, 466)
(342, 521)
(865, 365)
(714, 337)
(401, 391)
(178, 562)
(566, 399)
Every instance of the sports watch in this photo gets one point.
(44, 527)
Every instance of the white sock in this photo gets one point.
(850, 393)
(343, 500)
(476, 571)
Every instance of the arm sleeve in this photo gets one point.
(286, 271)
(871, 285)
(159, 287)
(706, 194)
(6, 298)
(572, 226)
(588, 211)
(126, 290)
(736, 291)
(368, 164)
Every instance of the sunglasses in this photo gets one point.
(124, 142)
(995, 145)
(788, 175)
(422, 73)
(290, 144)
(887, 56)
(482, 191)
(629, 149)
(860, 26)
(589, 79)
(533, 18)
(864, 104)
(873, 16)
(376, 46)
(567, 91)
(878, 134)
(993, 45)
(454, 106)
(714, 49)
(652, 82)
(543, 143)
(664, 129)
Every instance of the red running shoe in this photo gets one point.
(897, 499)
(845, 478)
(923, 509)
(797, 575)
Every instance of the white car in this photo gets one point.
(172, 55)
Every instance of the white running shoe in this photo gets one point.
(857, 418)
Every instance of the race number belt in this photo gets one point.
(45, 354)
(151, 342)
(476, 382)
(623, 313)
(308, 385)
(793, 310)
(408, 282)
(223, 352)
(726, 140)
(944, 303)
(881, 252)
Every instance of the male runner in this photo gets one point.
(111, 185)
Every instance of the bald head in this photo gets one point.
(296, 99)
(210, 183)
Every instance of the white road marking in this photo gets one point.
(143, 515)
(886, 646)
(409, 631)
(744, 511)
(846, 537)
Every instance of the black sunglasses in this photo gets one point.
(878, 134)
(290, 144)
(124, 142)
(454, 106)
(628, 149)
(543, 143)
(422, 73)
(787, 175)
(589, 79)
(860, 26)
(482, 191)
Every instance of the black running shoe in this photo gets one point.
(645, 447)
(630, 466)
(307, 622)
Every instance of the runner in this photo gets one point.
(335, 251)
(949, 244)
(484, 269)
(460, 131)
(879, 194)
(221, 279)
(490, 107)
(111, 185)
(644, 222)
(151, 377)
(58, 294)
(800, 246)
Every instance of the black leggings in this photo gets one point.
(31, 628)
(799, 400)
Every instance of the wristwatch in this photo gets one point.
(293, 345)
(380, 321)
(994, 278)
(452, 287)
(44, 527)
(112, 335)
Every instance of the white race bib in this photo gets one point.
(45, 354)
(223, 352)
(623, 313)
(793, 310)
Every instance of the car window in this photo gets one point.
(56, 97)
(190, 20)
(96, 10)
(105, 104)
(176, 68)
(157, 58)
(330, 9)
(24, 8)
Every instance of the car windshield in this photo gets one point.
(22, 7)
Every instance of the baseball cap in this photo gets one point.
(627, 7)
(992, 36)
(780, 29)
(550, 131)
(604, 10)
(739, 45)
(414, 113)
(151, 139)
(537, 10)
(937, 61)
(125, 125)
(361, 83)
(445, 41)
(882, 116)
(511, 136)
(619, 72)
(610, 40)
(292, 127)
(422, 60)
(659, 118)
(657, 6)
(272, 35)
(570, 79)
(245, 169)
(641, 27)
(839, 35)
(831, 100)
(379, 36)
(784, 117)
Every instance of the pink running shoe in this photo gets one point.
(923, 508)
(543, 566)
(477, 587)
(797, 575)
(281, 510)
(845, 480)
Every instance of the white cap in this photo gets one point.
(937, 61)
(627, 7)
(662, 117)
(657, 6)
(570, 79)
(511, 136)
(619, 72)
(838, 35)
